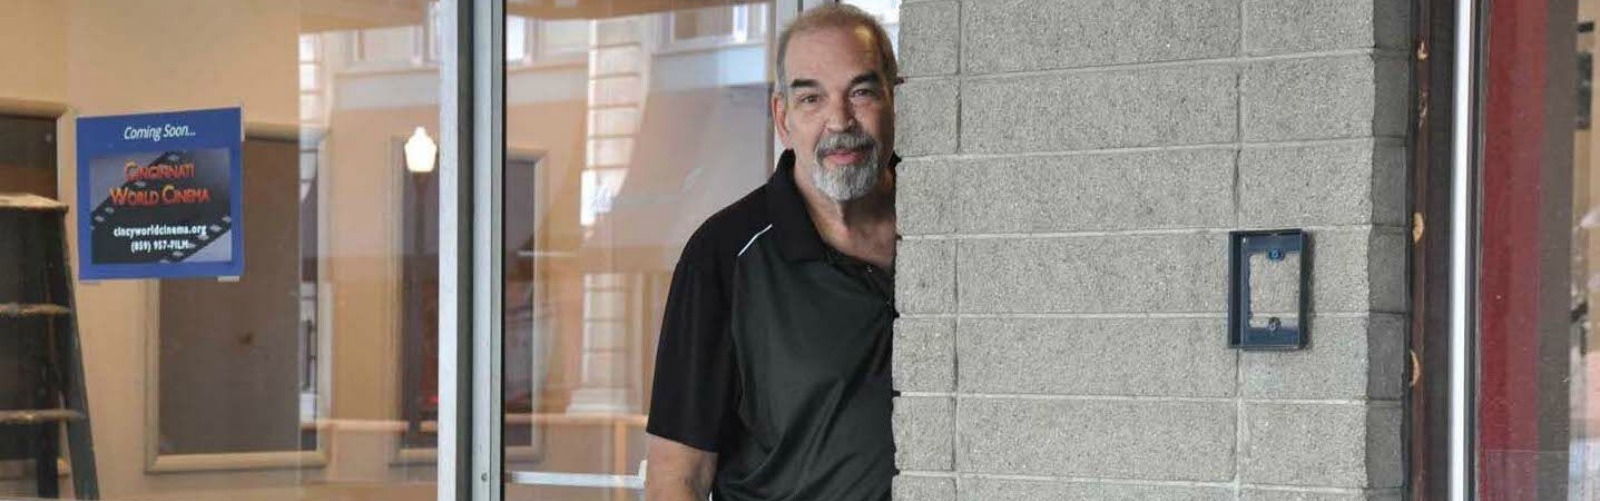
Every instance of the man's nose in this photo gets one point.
(840, 116)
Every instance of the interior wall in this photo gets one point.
(38, 26)
(126, 57)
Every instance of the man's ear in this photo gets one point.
(780, 118)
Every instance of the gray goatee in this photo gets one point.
(851, 181)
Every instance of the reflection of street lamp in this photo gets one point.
(421, 152)
(421, 155)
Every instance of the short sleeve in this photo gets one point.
(694, 390)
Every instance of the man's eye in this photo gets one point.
(865, 93)
(809, 99)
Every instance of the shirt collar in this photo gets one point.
(798, 239)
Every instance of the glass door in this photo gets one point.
(626, 126)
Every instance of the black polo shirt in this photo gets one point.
(774, 353)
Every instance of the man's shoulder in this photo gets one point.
(721, 236)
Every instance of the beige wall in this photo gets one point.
(160, 55)
(35, 37)
(126, 57)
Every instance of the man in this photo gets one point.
(772, 376)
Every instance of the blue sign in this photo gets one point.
(160, 195)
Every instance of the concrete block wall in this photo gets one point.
(1072, 168)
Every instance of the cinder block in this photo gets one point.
(1122, 356)
(1392, 27)
(919, 488)
(1100, 109)
(930, 38)
(1322, 98)
(1322, 445)
(1389, 185)
(1349, 358)
(1290, 494)
(1181, 273)
(990, 489)
(1387, 272)
(925, 196)
(1021, 35)
(1357, 271)
(1327, 184)
(925, 117)
(1394, 95)
(924, 433)
(925, 276)
(1112, 439)
(1119, 191)
(1281, 26)
(1386, 447)
(925, 354)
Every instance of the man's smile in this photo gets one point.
(845, 156)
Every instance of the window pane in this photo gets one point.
(563, 36)
(703, 22)
(623, 160)
(516, 38)
(887, 12)
(394, 45)
(1539, 381)
(309, 76)
(311, 376)
(310, 49)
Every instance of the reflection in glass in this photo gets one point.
(661, 122)
(1583, 345)
(293, 381)
(1539, 382)
(233, 370)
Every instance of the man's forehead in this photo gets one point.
(818, 50)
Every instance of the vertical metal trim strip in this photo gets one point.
(455, 257)
(1464, 143)
(488, 249)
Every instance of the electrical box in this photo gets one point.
(1269, 292)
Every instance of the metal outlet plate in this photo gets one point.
(1269, 289)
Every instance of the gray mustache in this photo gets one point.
(844, 141)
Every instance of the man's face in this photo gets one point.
(838, 113)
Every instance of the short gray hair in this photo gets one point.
(837, 15)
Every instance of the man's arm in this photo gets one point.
(677, 472)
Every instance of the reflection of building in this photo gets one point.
(674, 113)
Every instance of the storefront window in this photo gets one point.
(1538, 393)
(312, 374)
(614, 161)
(888, 14)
